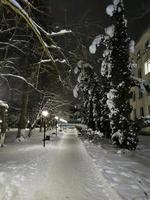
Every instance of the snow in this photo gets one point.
(3, 104)
(61, 170)
(20, 139)
(111, 95)
(80, 77)
(76, 70)
(116, 2)
(96, 42)
(64, 31)
(15, 3)
(64, 169)
(127, 172)
(132, 46)
(75, 91)
(118, 134)
(110, 30)
(83, 64)
(110, 10)
(113, 7)
(60, 61)
(106, 53)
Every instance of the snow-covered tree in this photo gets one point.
(31, 62)
(84, 91)
(118, 69)
(91, 92)
(100, 106)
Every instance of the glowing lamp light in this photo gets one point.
(45, 113)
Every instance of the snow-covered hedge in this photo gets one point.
(89, 134)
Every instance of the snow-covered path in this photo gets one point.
(63, 170)
(71, 175)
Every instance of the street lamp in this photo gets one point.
(44, 114)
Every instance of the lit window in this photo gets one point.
(147, 66)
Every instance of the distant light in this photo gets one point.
(62, 120)
(1, 121)
(56, 117)
(45, 113)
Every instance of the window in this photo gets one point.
(141, 111)
(148, 110)
(147, 67)
(139, 73)
(140, 94)
(134, 96)
(147, 45)
(134, 114)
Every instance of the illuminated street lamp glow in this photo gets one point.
(45, 113)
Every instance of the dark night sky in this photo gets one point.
(136, 13)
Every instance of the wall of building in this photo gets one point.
(141, 101)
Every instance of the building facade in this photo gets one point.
(141, 101)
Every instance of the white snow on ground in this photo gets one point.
(127, 172)
(64, 170)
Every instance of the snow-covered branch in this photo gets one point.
(3, 104)
(16, 7)
(62, 32)
(7, 30)
(11, 45)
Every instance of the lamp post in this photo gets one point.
(44, 114)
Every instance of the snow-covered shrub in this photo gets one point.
(20, 139)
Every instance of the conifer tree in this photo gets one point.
(85, 85)
(116, 70)
(119, 71)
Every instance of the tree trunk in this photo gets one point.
(23, 115)
(3, 127)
